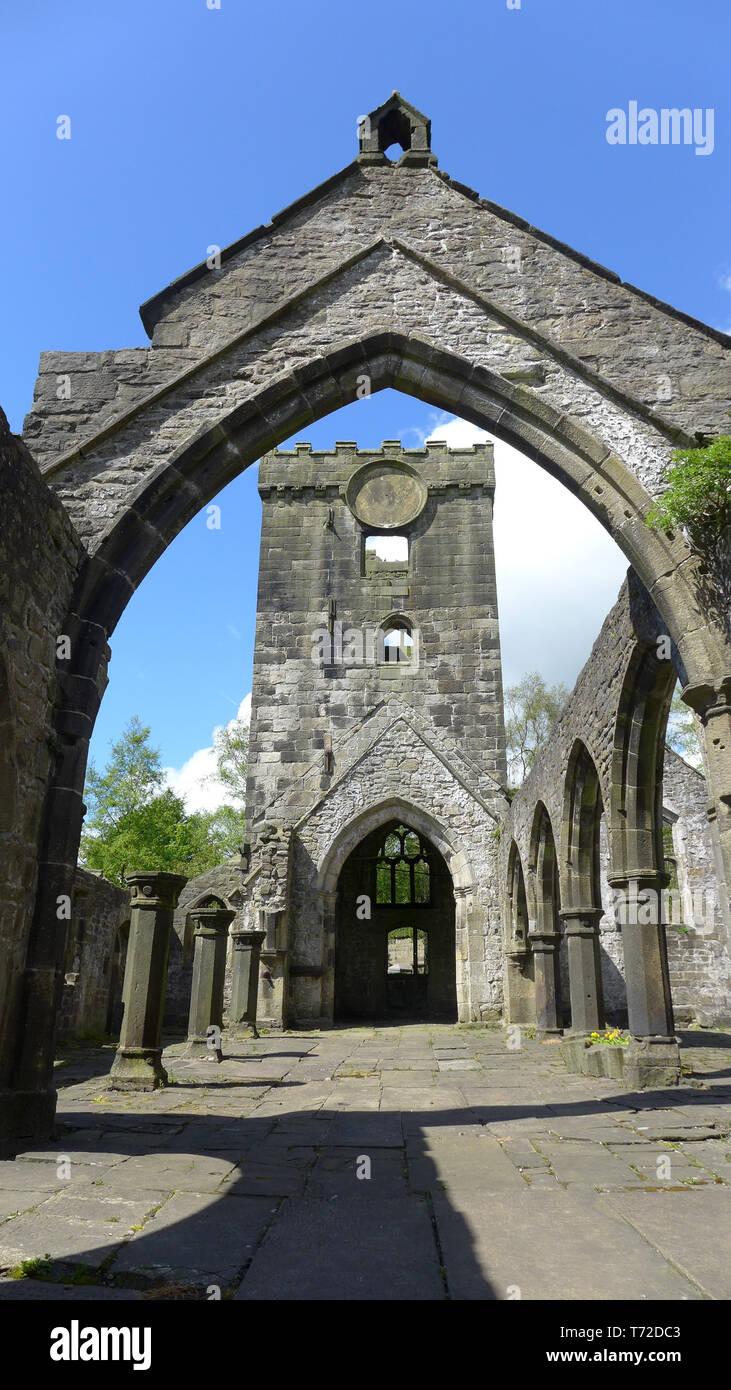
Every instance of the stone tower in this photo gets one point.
(376, 581)
(377, 746)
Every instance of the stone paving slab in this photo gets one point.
(269, 1179)
(548, 1244)
(335, 1175)
(168, 1172)
(19, 1176)
(470, 1165)
(195, 1238)
(691, 1229)
(257, 1181)
(37, 1291)
(347, 1250)
(585, 1163)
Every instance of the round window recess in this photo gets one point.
(386, 495)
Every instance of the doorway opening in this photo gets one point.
(395, 930)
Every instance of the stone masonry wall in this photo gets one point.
(312, 555)
(99, 910)
(224, 882)
(670, 362)
(700, 968)
(698, 954)
(39, 555)
(401, 775)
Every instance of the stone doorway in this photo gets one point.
(395, 952)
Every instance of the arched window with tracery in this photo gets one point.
(402, 870)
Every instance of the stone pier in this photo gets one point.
(137, 1064)
(245, 978)
(210, 925)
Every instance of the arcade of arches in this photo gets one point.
(388, 275)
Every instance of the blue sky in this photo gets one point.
(189, 126)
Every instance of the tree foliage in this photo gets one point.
(531, 710)
(682, 731)
(134, 822)
(231, 747)
(698, 495)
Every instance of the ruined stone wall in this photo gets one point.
(697, 949)
(93, 978)
(224, 882)
(39, 555)
(700, 967)
(312, 560)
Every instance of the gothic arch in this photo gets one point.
(517, 923)
(392, 808)
(635, 819)
(544, 872)
(583, 807)
(158, 508)
(140, 474)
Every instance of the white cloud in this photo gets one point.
(558, 570)
(197, 781)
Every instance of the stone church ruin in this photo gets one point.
(389, 873)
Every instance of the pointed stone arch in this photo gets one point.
(490, 347)
(380, 814)
(635, 817)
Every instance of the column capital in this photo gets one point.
(545, 940)
(581, 921)
(709, 698)
(150, 888)
(656, 879)
(245, 937)
(212, 921)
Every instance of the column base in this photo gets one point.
(237, 1031)
(199, 1050)
(645, 1063)
(27, 1118)
(137, 1069)
(650, 1062)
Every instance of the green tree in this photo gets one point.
(134, 823)
(682, 731)
(531, 710)
(231, 747)
(132, 777)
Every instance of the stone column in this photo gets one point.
(210, 932)
(245, 978)
(585, 975)
(545, 953)
(653, 1055)
(137, 1064)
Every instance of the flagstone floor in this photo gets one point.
(413, 1162)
